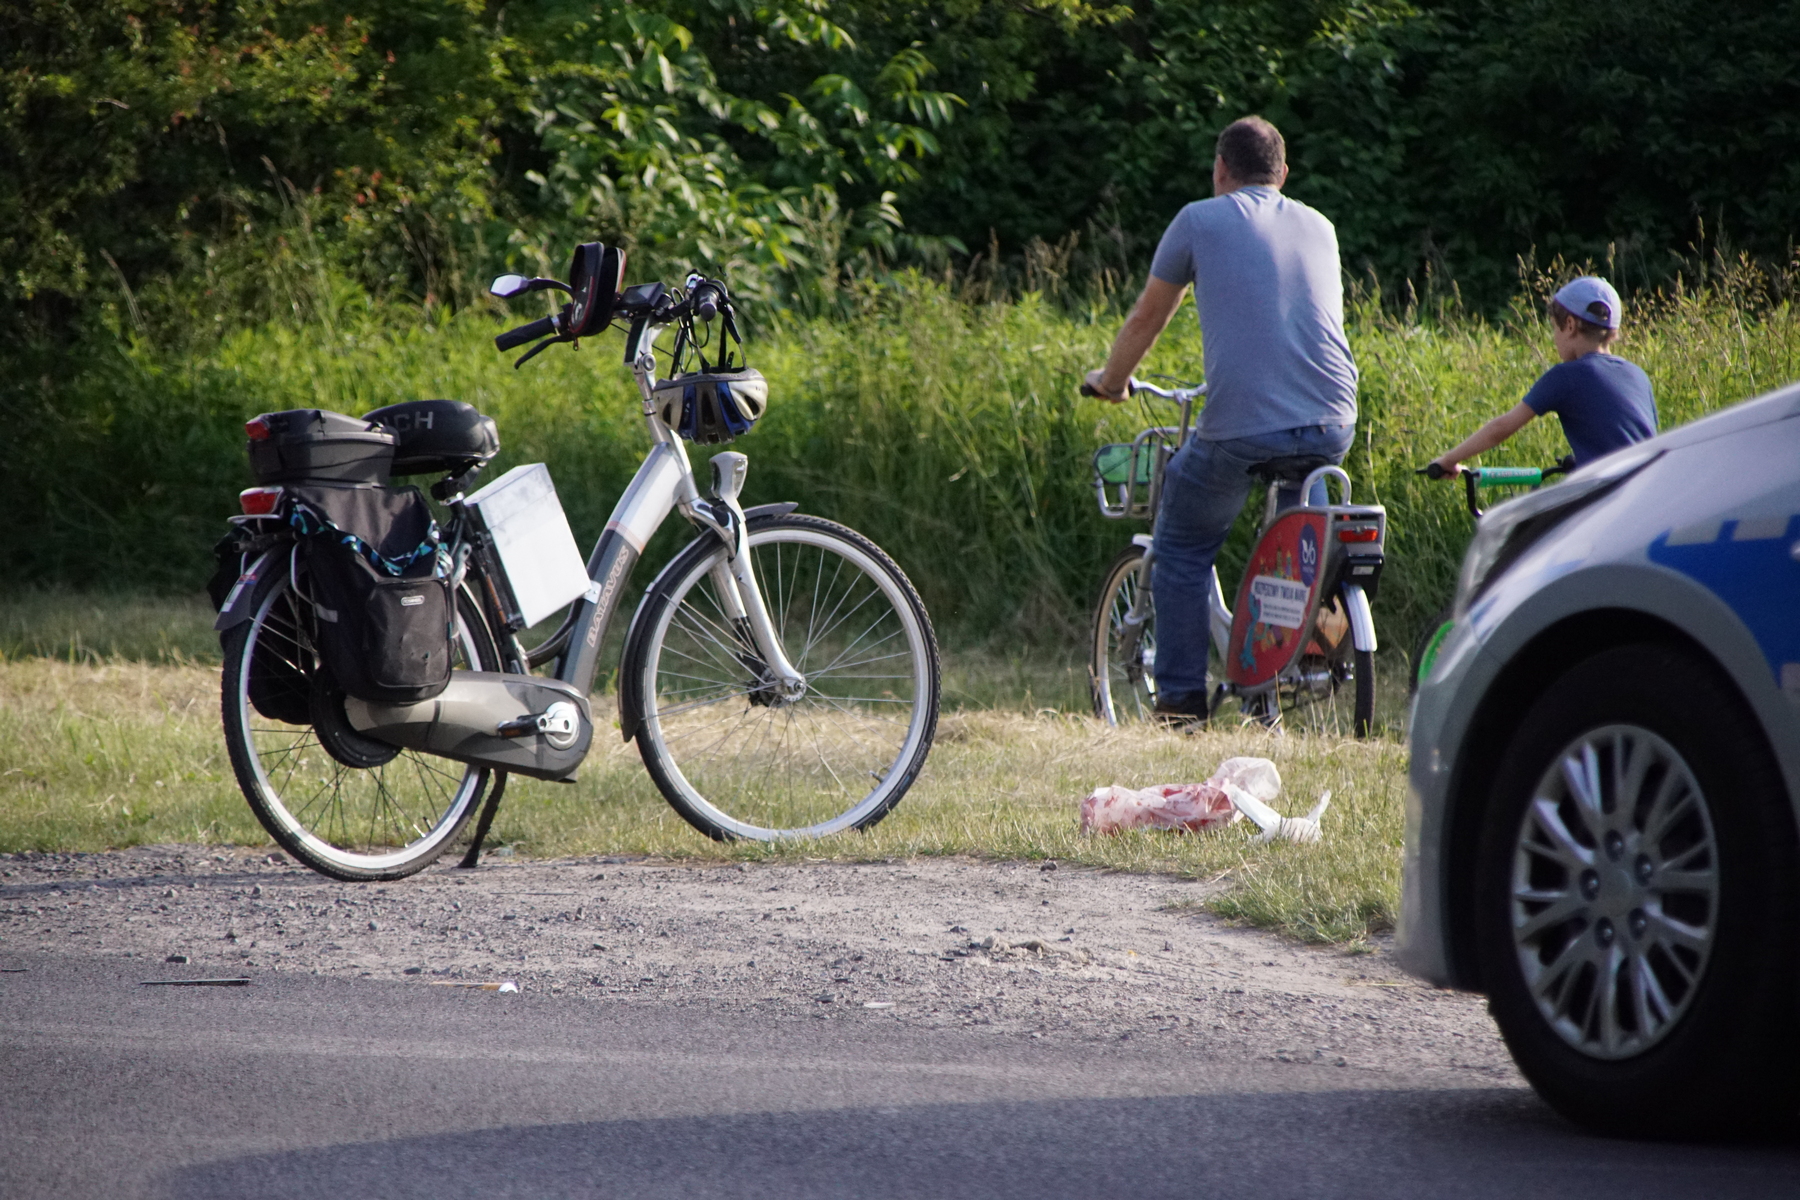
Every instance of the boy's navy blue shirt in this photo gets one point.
(1604, 403)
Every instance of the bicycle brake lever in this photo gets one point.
(538, 349)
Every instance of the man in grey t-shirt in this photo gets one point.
(1280, 379)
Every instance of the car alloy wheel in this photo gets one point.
(1615, 891)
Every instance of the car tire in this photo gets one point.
(1652, 991)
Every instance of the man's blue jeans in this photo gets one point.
(1203, 493)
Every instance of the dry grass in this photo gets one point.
(119, 753)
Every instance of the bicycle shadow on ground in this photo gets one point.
(1344, 1144)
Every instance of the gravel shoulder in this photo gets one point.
(1027, 951)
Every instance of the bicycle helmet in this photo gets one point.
(712, 406)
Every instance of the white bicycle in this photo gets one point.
(780, 677)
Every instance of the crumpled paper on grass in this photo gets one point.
(1240, 787)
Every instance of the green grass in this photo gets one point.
(111, 754)
(100, 627)
(949, 432)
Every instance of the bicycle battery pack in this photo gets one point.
(541, 569)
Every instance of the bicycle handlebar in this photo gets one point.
(1475, 478)
(1502, 476)
(531, 332)
(645, 305)
(1136, 386)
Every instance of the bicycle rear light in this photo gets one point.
(259, 501)
(258, 429)
(1371, 533)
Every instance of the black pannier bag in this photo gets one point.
(277, 684)
(377, 574)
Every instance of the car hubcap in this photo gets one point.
(1615, 891)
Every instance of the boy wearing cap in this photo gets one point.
(1604, 401)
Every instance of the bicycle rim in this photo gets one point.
(733, 757)
(384, 821)
(1122, 670)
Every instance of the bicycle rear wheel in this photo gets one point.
(735, 757)
(1331, 690)
(1122, 659)
(343, 803)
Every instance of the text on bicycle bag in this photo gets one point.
(377, 573)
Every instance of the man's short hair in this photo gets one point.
(1252, 151)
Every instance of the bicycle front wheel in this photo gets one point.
(341, 802)
(731, 753)
(1122, 663)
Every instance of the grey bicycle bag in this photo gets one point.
(375, 569)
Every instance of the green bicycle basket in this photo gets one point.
(1113, 463)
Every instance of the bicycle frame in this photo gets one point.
(481, 716)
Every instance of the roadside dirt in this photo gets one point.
(1030, 952)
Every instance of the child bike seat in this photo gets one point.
(1292, 469)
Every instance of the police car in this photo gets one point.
(1601, 819)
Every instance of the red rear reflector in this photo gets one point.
(258, 429)
(259, 501)
(1359, 535)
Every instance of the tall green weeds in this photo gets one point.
(950, 432)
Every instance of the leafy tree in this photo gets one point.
(142, 136)
(648, 148)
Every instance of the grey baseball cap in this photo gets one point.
(1592, 299)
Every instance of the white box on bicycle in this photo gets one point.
(531, 535)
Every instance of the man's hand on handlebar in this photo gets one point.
(1095, 385)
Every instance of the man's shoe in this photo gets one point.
(1186, 714)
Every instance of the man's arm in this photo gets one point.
(1489, 436)
(1149, 317)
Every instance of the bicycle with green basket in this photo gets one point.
(1475, 480)
(1298, 649)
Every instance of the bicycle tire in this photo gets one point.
(734, 758)
(1123, 692)
(316, 793)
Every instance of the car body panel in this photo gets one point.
(1701, 538)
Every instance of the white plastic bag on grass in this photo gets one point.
(1240, 787)
(1251, 783)
(1274, 826)
(1257, 776)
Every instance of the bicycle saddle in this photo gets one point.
(1292, 469)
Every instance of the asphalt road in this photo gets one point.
(332, 1087)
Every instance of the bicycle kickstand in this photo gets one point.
(484, 823)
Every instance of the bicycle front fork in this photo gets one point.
(734, 580)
